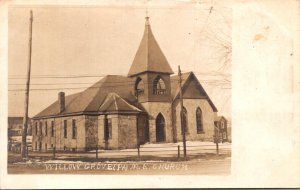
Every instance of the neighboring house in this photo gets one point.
(124, 111)
(15, 125)
(221, 127)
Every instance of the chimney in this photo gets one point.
(61, 101)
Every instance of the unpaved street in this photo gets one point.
(219, 166)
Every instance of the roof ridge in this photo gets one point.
(105, 100)
(103, 81)
(116, 105)
(113, 96)
(132, 106)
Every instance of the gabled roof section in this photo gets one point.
(91, 99)
(114, 103)
(149, 56)
(186, 77)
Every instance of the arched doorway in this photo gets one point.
(160, 128)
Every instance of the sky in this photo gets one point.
(97, 41)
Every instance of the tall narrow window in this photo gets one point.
(107, 128)
(36, 128)
(40, 128)
(74, 129)
(199, 121)
(46, 128)
(65, 129)
(159, 86)
(184, 121)
(52, 128)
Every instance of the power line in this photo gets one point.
(91, 87)
(87, 75)
(125, 82)
(59, 76)
(76, 88)
(121, 82)
(216, 82)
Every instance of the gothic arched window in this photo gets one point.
(199, 121)
(184, 121)
(160, 128)
(159, 86)
(139, 86)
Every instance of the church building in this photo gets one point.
(120, 112)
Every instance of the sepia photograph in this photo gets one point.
(106, 88)
(150, 93)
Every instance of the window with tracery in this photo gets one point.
(159, 86)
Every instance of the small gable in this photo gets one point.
(113, 102)
(192, 89)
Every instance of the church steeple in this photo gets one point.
(149, 57)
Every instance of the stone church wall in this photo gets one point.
(127, 131)
(58, 140)
(91, 130)
(208, 120)
(113, 141)
(153, 109)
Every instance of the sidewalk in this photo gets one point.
(147, 151)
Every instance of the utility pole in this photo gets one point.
(25, 119)
(181, 114)
(216, 139)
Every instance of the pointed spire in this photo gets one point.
(149, 56)
(147, 18)
(147, 23)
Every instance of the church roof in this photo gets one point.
(149, 56)
(113, 93)
(91, 99)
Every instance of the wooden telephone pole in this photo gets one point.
(183, 127)
(25, 119)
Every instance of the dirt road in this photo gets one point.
(192, 167)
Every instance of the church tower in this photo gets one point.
(151, 70)
(151, 73)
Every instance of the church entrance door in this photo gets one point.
(160, 128)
